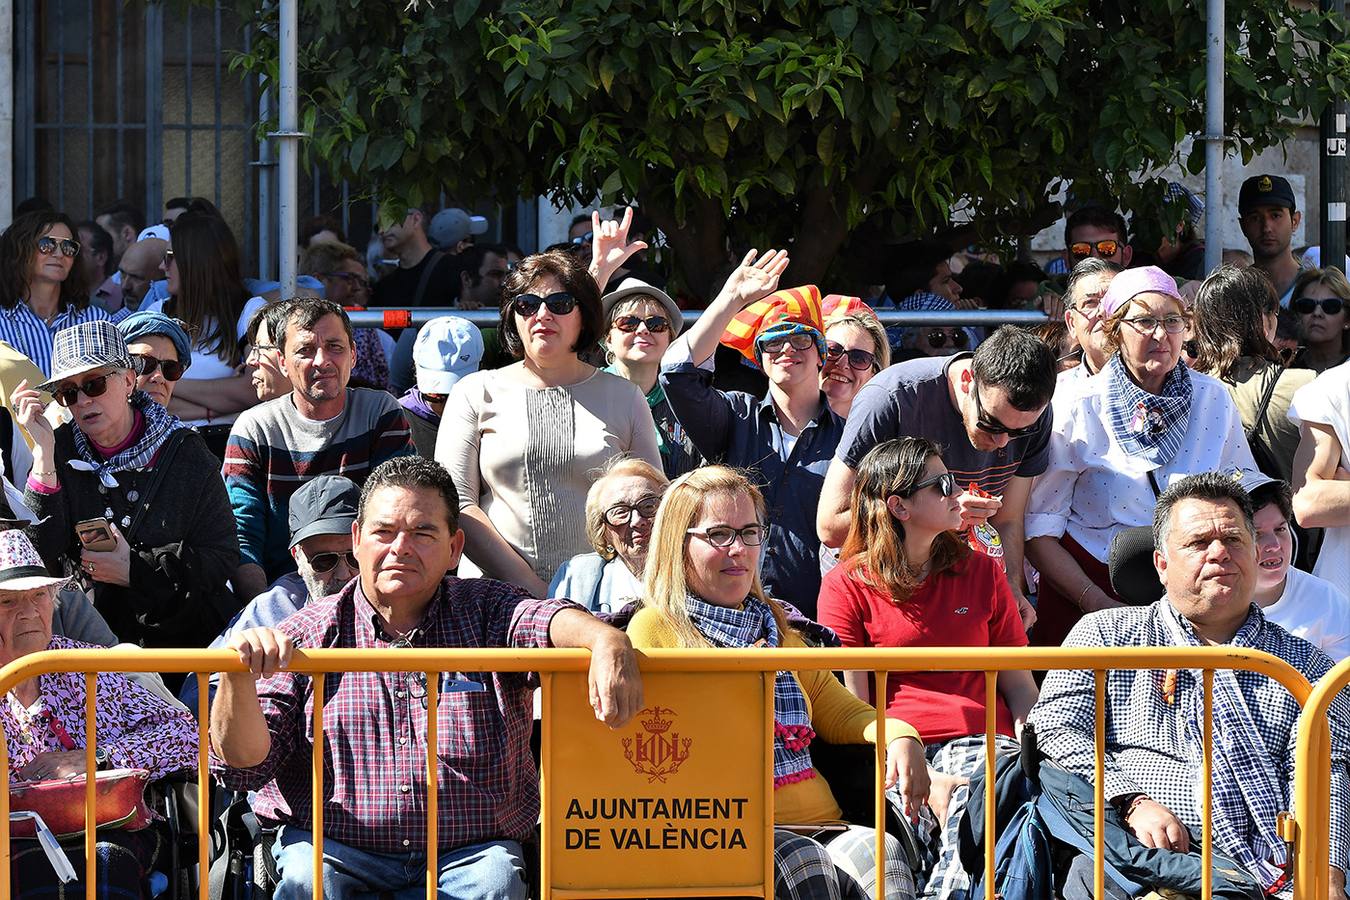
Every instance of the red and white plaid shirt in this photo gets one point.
(374, 727)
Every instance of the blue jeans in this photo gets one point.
(490, 871)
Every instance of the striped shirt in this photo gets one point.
(273, 450)
(25, 331)
(374, 726)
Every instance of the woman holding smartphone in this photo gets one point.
(128, 497)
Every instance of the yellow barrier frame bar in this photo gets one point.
(1313, 731)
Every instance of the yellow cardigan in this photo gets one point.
(836, 715)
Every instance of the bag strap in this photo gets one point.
(161, 470)
(1265, 404)
(433, 260)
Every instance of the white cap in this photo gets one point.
(450, 226)
(447, 348)
(154, 231)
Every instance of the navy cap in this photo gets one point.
(1265, 190)
(326, 504)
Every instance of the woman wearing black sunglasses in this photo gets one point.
(640, 323)
(520, 441)
(907, 579)
(161, 350)
(1320, 297)
(37, 294)
(122, 458)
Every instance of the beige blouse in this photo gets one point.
(527, 456)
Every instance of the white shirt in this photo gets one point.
(207, 364)
(1093, 488)
(1313, 609)
(1326, 401)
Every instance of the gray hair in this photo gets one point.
(1088, 268)
(1215, 486)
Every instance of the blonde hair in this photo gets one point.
(881, 345)
(618, 466)
(666, 580)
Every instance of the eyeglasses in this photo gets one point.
(168, 259)
(1074, 355)
(725, 535)
(584, 238)
(799, 341)
(325, 562)
(148, 365)
(1090, 307)
(350, 277)
(991, 425)
(945, 483)
(47, 245)
(1330, 305)
(559, 303)
(958, 337)
(622, 513)
(655, 324)
(1083, 249)
(857, 359)
(94, 387)
(1173, 324)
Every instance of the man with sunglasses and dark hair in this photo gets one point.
(990, 411)
(1095, 232)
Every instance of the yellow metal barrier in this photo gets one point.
(880, 661)
(1312, 785)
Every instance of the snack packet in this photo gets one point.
(984, 537)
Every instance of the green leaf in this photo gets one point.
(715, 133)
(842, 20)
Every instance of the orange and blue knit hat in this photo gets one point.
(781, 314)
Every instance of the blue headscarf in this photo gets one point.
(142, 324)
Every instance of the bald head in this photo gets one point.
(139, 267)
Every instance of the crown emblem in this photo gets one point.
(657, 723)
(1264, 184)
(656, 751)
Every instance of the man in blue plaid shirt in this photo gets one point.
(1206, 558)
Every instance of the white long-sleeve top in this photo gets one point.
(1092, 487)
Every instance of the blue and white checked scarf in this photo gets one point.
(748, 627)
(1148, 425)
(1247, 796)
(158, 426)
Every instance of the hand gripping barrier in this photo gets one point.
(569, 725)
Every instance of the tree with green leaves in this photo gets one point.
(825, 126)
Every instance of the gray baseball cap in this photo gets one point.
(326, 504)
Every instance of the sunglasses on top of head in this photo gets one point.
(172, 369)
(559, 303)
(47, 245)
(1304, 306)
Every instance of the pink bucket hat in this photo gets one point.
(1133, 282)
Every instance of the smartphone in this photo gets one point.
(96, 534)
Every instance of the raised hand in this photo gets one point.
(28, 408)
(610, 247)
(755, 279)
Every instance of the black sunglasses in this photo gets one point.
(857, 359)
(938, 339)
(945, 483)
(47, 245)
(655, 324)
(993, 426)
(325, 562)
(800, 340)
(147, 365)
(94, 387)
(1330, 305)
(560, 304)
